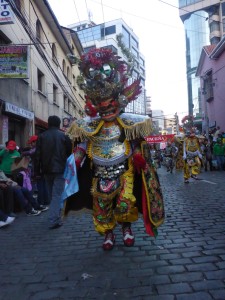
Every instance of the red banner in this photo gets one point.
(151, 139)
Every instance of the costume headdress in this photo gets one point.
(188, 124)
(104, 77)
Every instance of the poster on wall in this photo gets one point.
(66, 122)
(14, 62)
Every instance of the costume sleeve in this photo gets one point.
(80, 153)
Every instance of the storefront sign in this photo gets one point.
(13, 61)
(19, 111)
(6, 15)
(159, 138)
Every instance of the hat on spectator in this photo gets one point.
(11, 145)
(32, 139)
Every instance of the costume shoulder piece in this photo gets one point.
(135, 126)
(85, 128)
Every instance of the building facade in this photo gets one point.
(211, 73)
(50, 84)
(204, 23)
(105, 36)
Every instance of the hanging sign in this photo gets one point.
(13, 61)
(151, 139)
(6, 15)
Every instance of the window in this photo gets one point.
(41, 81)
(68, 73)
(223, 9)
(134, 52)
(214, 26)
(142, 62)
(108, 30)
(87, 49)
(208, 87)
(126, 37)
(64, 66)
(134, 42)
(111, 47)
(136, 64)
(134, 75)
(65, 103)
(90, 34)
(70, 107)
(74, 82)
(54, 53)
(38, 31)
(55, 94)
(142, 71)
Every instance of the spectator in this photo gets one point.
(219, 152)
(38, 182)
(6, 199)
(23, 196)
(5, 220)
(53, 149)
(208, 154)
(216, 134)
(7, 157)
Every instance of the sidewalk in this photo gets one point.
(186, 261)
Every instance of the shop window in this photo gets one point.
(41, 81)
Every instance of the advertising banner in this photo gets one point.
(151, 139)
(14, 62)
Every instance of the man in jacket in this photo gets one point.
(52, 150)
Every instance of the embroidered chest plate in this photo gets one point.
(106, 148)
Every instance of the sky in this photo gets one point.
(161, 40)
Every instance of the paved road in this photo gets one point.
(186, 261)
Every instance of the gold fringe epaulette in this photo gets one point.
(135, 127)
(84, 131)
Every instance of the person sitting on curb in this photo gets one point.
(7, 199)
(5, 220)
(24, 197)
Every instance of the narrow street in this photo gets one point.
(186, 261)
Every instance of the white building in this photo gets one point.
(105, 35)
(50, 87)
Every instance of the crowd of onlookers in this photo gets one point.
(32, 178)
(20, 189)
